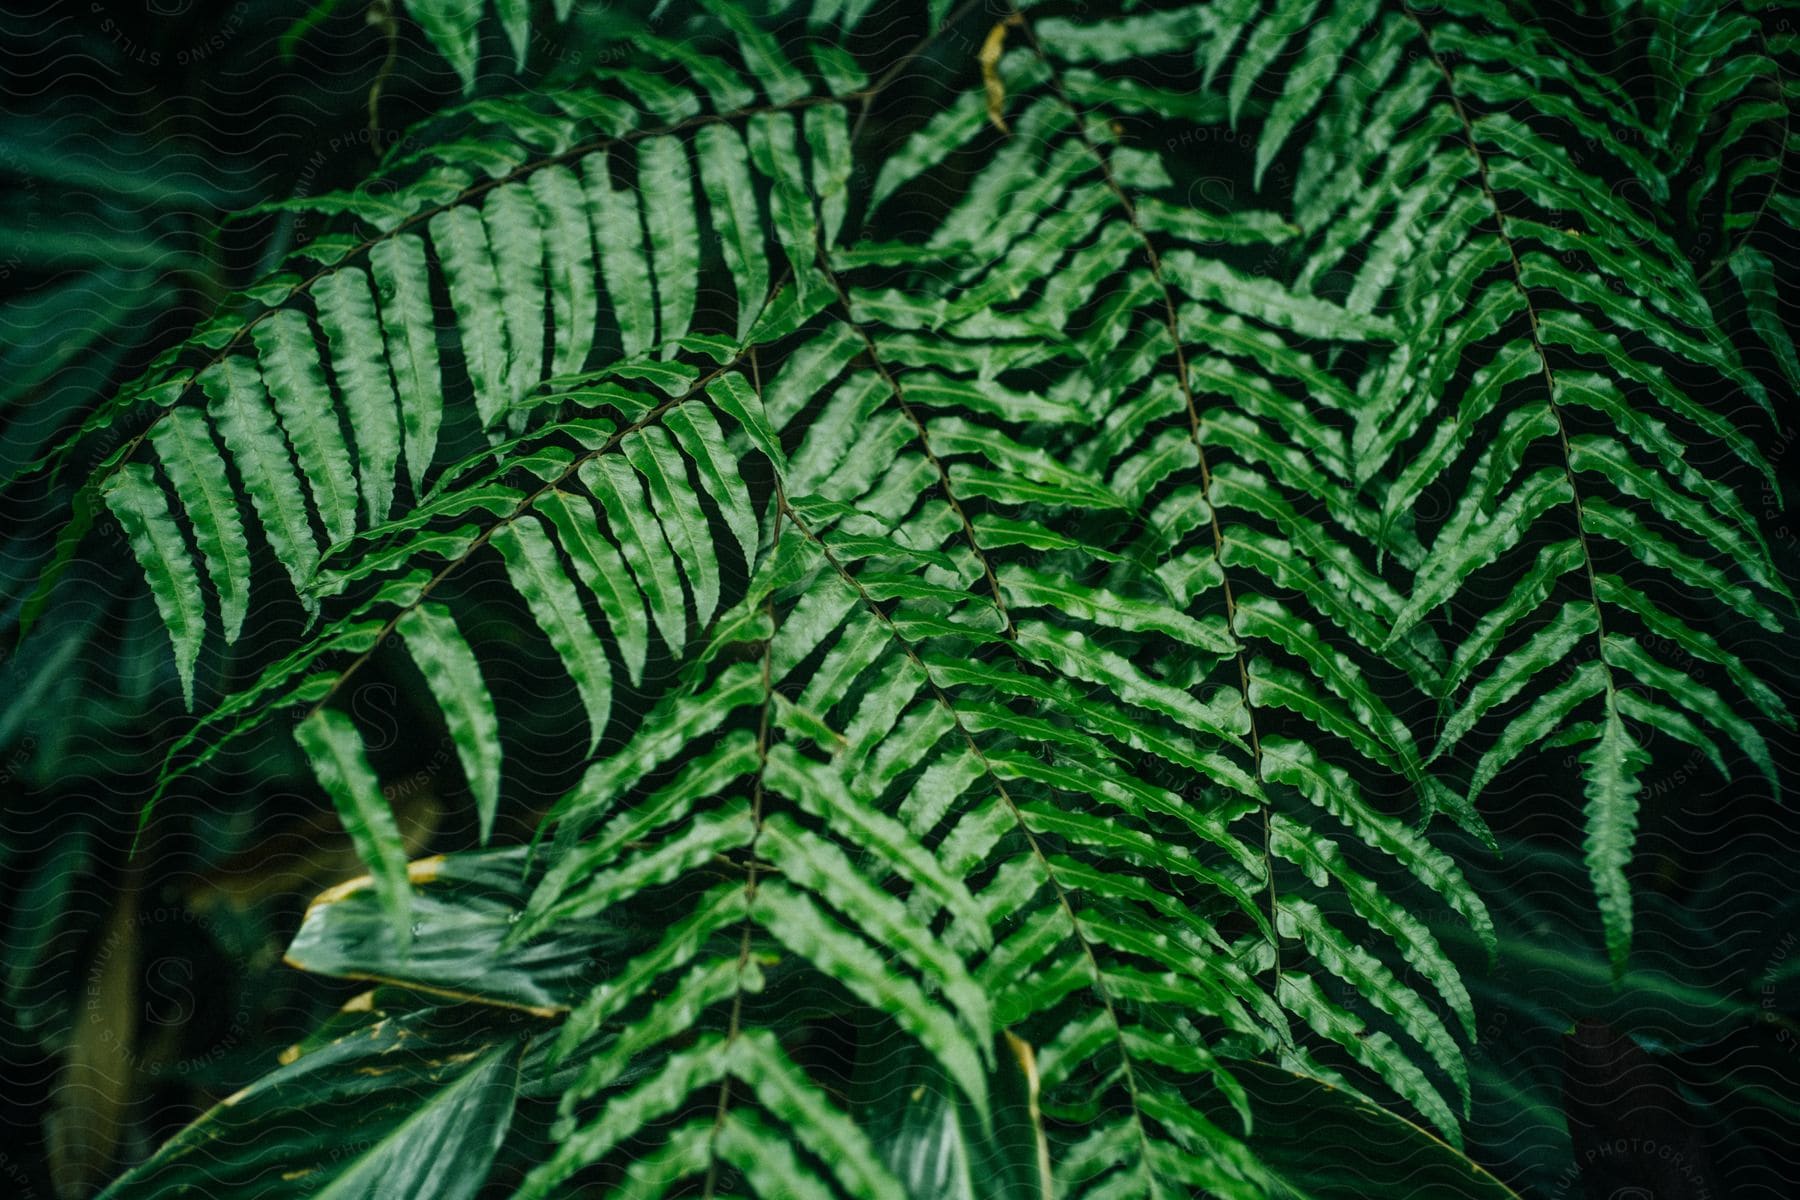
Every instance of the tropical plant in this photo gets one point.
(1002, 596)
(129, 146)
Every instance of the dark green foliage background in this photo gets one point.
(128, 138)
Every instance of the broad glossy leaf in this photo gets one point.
(463, 908)
(429, 1096)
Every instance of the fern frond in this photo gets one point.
(1518, 297)
(1028, 624)
(454, 28)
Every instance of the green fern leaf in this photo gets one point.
(137, 502)
(189, 456)
(1614, 761)
(537, 573)
(347, 317)
(335, 750)
(454, 676)
(1044, 588)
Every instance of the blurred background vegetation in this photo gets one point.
(139, 988)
